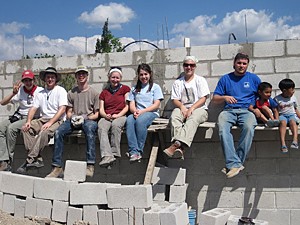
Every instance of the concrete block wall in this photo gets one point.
(90, 202)
(269, 178)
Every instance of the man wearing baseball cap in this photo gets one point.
(51, 102)
(22, 94)
(82, 114)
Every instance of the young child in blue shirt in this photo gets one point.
(288, 113)
(265, 108)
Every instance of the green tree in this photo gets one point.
(108, 42)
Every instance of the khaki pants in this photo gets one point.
(36, 140)
(184, 130)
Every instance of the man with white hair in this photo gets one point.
(189, 94)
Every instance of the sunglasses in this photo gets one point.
(189, 65)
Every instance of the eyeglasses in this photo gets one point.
(189, 65)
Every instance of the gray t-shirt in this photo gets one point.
(83, 102)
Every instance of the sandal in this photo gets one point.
(178, 154)
(284, 149)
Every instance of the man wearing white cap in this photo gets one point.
(51, 102)
(82, 114)
(189, 94)
(23, 93)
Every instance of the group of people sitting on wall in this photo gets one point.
(53, 112)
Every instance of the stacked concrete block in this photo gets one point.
(19, 208)
(120, 217)
(178, 193)
(88, 193)
(169, 176)
(17, 184)
(75, 171)
(74, 215)
(8, 203)
(136, 216)
(234, 220)
(105, 217)
(59, 211)
(159, 192)
(175, 214)
(90, 214)
(30, 207)
(151, 217)
(1, 200)
(129, 196)
(43, 208)
(214, 217)
(52, 189)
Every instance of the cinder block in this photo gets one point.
(59, 211)
(90, 214)
(120, 217)
(175, 214)
(88, 193)
(136, 216)
(17, 184)
(19, 208)
(52, 189)
(43, 208)
(159, 192)
(1, 200)
(170, 176)
(30, 207)
(234, 220)
(75, 171)
(74, 215)
(178, 193)
(105, 217)
(128, 196)
(268, 49)
(8, 203)
(151, 217)
(214, 217)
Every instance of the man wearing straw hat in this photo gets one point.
(51, 102)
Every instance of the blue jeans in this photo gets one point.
(136, 131)
(89, 127)
(246, 121)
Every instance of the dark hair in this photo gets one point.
(241, 56)
(286, 84)
(264, 85)
(147, 68)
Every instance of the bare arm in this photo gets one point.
(218, 99)
(8, 98)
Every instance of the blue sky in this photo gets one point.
(62, 27)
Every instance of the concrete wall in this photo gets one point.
(269, 187)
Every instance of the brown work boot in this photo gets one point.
(170, 151)
(234, 171)
(90, 170)
(57, 172)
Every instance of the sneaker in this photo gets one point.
(273, 123)
(178, 154)
(170, 151)
(234, 171)
(106, 161)
(294, 145)
(22, 169)
(5, 166)
(135, 157)
(225, 170)
(90, 170)
(37, 163)
(57, 172)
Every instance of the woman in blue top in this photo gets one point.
(144, 102)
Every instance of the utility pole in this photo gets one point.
(246, 30)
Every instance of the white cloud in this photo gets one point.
(203, 30)
(116, 13)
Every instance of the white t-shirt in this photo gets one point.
(188, 93)
(286, 105)
(25, 101)
(49, 101)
